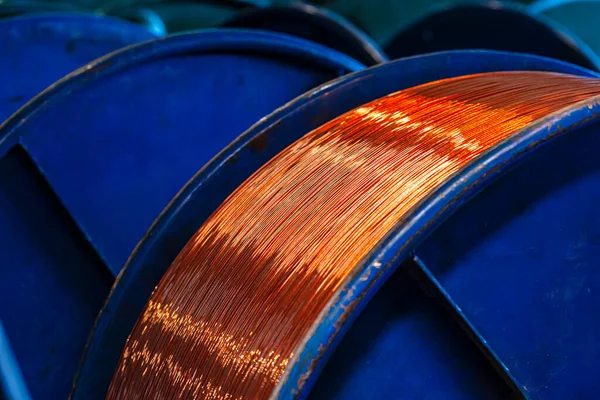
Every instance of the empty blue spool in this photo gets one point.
(408, 340)
(87, 166)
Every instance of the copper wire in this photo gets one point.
(241, 296)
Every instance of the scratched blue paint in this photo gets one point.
(89, 164)
(316, 24)
(478, 26)
(211, 185)
(36, 51)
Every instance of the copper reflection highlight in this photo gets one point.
(238, 300)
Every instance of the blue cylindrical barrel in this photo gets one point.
(491, 26)
(405, 340)
(89, 164)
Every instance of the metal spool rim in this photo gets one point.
(318, 347)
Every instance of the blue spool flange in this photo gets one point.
(314, 23)
(87, 166)
(36, 51)
(400, 347)
(491, 26)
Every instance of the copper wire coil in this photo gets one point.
(238, 301)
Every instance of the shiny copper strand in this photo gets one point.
(237, 302)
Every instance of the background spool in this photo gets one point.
(478, 27)
(136, 132)
(382, 19)
(61, 43)
(210, 187)
(301, 20)
(316, 24)
(579, 17)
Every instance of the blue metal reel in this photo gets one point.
(579, 16)
(35, 51)
(313, 23)
(87, 166)
(492, 26)
(404, 341)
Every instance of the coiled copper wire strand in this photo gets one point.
(238, 300)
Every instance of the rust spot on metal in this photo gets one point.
(259, 143)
